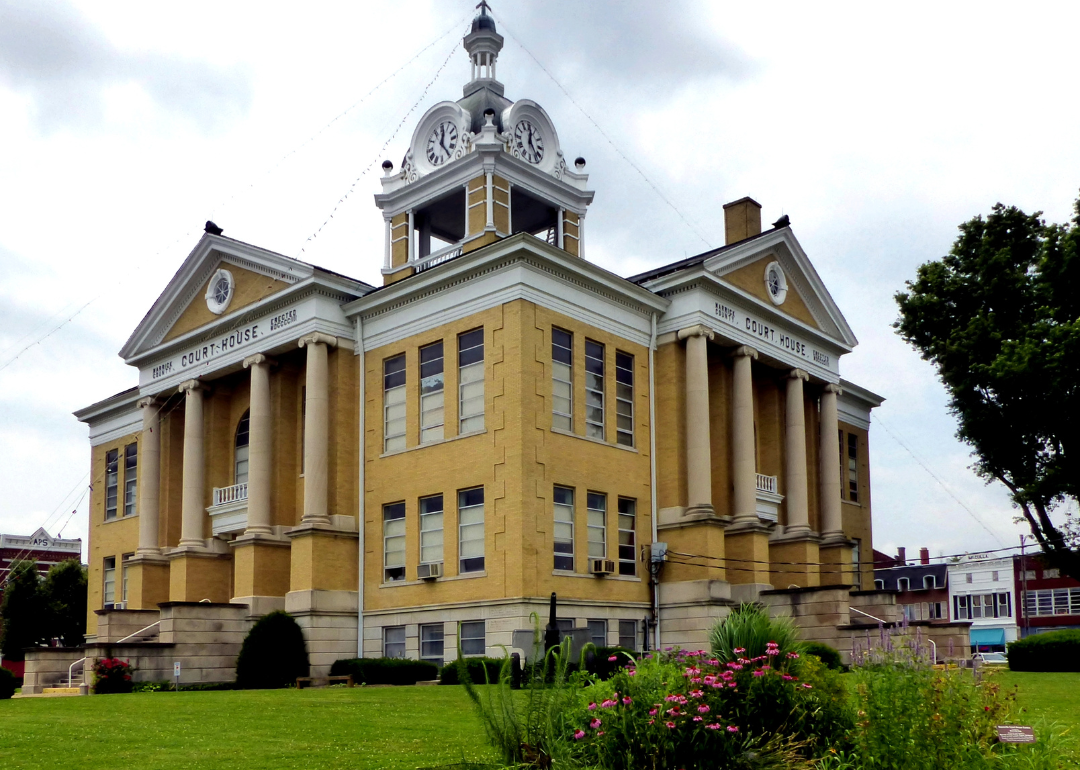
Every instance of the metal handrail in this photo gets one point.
(73, 665)
(879, 620)
(132, 636)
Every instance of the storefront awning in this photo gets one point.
(988, 636)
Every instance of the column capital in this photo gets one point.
(146, 401)
(696, 331)
(190, 385)
(255, 360)
(798, 374)
(830, 388)
(744, 350)
(317, 338)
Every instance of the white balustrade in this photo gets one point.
(766, 483)
(437, 257)
(234, 494)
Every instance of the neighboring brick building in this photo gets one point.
(922, 589)
(1050, 601)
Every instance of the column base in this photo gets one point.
(746, 545)
(147, 582)
(795, 557)
(199, 574)
(836, 566)
(323, 559)
(261, 567)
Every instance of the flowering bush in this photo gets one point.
(684, 709)
(112, 675)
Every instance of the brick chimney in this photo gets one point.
(924, 556)
(742, 219)
(901, 556)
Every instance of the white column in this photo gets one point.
(316, 428)
(149, 476)
(193, 503)
(489, 202)
(389, 240)
(832, 523)
(412, 236)
(743, 442)
(795, 485)
(259, 446)
(698, 447)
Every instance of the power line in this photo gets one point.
(621, 154)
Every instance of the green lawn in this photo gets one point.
(360, 729)
(1053, 696)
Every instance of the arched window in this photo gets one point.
(242, 450)
(929, 581)
(903, 584)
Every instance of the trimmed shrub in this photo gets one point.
(7, 684)
(273, 654)
(823, 652)
(112, 675)
(385, 670)
(1052, 651)
(604, 667)
(481, 671)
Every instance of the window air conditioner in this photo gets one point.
(602, 566)
(119, 605)
(429, 571)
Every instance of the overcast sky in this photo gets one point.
(878, 128)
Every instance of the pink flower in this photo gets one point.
(695, 680)
(579, 735)
(612, 659)
(600, 732)
(732, 729)
(739, 650)
(671, 698)
(608, 704)
(631, 672)
(788, 677)
(759, 673)
(626, 701)
(713, 726)
(808, 687)
(669, 725)
(703, 709)
(697, 719)
(652, 721)
(793, 655)
(592, 707)
(594, 724)
(674, 711)
(652, 712)
(696, 693)
(732, 684)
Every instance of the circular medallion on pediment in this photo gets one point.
(775, 283)
(219, 292)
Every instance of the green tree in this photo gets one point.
(22, 614)
(999, 317)
(64, 592)
(273, 655)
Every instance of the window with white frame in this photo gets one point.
(853, 467)
(628, 634)
(393, 542)
(627, 536)
(624, 398)
(471, 381)
(903, 584)
(983, 606)
(879, 585)
(596, 504)
(393, 641)
(431, 643)
(1052, 601)
(995, 576)
(472, 637)
(471, 530)
(431, 529)
(1051, 574)
(124, 576)
(594, 390)
(929, 581)
(394, 403)
(597, 632)
(112, 482)
(108, 579)
(241, 449)
(564, 528)
(131, 476)
(562, 379)
(968, 578)
(431, 393)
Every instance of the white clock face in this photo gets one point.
(529, 143)
(442, 143)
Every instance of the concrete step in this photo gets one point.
(61, 691)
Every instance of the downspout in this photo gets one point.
(653, 577)
(358, 350)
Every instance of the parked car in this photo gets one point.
(991, 658)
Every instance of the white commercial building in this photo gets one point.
(981, 589)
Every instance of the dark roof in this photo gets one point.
(481, 100)
(914, 574)
(692, 261)
(483, 21)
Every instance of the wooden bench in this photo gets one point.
(303, 682)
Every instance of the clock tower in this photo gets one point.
(477, 170)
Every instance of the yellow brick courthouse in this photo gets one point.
(417, 466)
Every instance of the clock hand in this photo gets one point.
(442, 138)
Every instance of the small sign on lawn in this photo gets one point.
(1015, 734)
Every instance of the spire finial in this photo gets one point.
(483, 44)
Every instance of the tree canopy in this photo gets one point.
(999, 317)
(22, 616)
(64, 590)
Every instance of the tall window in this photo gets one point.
(431, 643)
(394, 403)
(597, 525)
(594, 390)
(598, 632)
(471, 530)
(628, 634)
(124, 576)
(394, 542)
(431, 529)
(431, 393)
(564, 528)
(627, 536)
(112, 473)
(624, 398)
(562, 379)
(471, 381)
(108, 588)
(393, 641)
(241, 455)
(471, 635)
(853, 467)
(131, 476)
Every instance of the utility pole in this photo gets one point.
(1023, 589)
